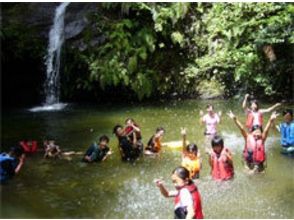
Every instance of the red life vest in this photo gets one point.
(221, 169)
(254, 150)
(250, 119)
(29, 146)
(196, 200)
(129, 130)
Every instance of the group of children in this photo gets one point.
(187, 197)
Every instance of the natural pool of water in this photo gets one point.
(114, 189)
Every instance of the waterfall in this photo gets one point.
(56, 39)
(52, 82)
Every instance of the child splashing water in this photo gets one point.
(191, 159)
(254, 151)
(254, 114)
(187, 197)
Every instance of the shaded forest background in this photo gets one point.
(146, 51)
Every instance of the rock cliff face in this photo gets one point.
(40, 16)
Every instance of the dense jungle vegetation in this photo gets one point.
(150, 50)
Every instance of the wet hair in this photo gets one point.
(182, 173)
(216, 141)
(255, 102)
(104, 138)
(209, 105)
(288, 111)
(159, 129)
(192, 148)
(16, 151)
(256, 127)
(115, 128)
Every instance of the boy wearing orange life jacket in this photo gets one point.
(191, 159)
(220, 160)
(254, 114)
(187, 197)
(254, 151)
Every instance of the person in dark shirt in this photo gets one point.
(98, 152)
(129, 149)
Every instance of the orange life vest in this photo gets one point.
(196, 200)
(250, 119)
(221, 169)
(192, 165)
(254, 151)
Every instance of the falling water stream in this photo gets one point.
(52, 82)
(68, 188)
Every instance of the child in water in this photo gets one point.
(29, 146)
(191, 159)
(154, 144)
(187, 197)
(98, 152)
(11, 163)
(130, 128)
(211, 119)
(220, 160)
(254, 114)
(51, 149)
(287, 132)
(254, 151)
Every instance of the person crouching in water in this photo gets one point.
(128, 149)
(98, 152)
(186, 196)
(191, 159)
(154, 144)
(287, 132)
(51, 149)
(11, 163)
(220, 160)
(254, 151)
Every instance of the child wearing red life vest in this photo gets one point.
(254, 114)
(130, 128)
(187, 198)
(191, 159)
(254, 151)
(29, 146)
(220, 160)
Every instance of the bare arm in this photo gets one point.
(163, 190)
(20, 164)
(268, 125)
(238, 123)
(245, 102)
(270, 108)
(184, 136)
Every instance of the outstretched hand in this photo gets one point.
(158, 182)
(201, 113)
(247, 95)
(183, 131)
(231, 115)
(274, 116)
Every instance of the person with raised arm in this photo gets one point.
(254, 151)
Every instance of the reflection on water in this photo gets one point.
(113, 189)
